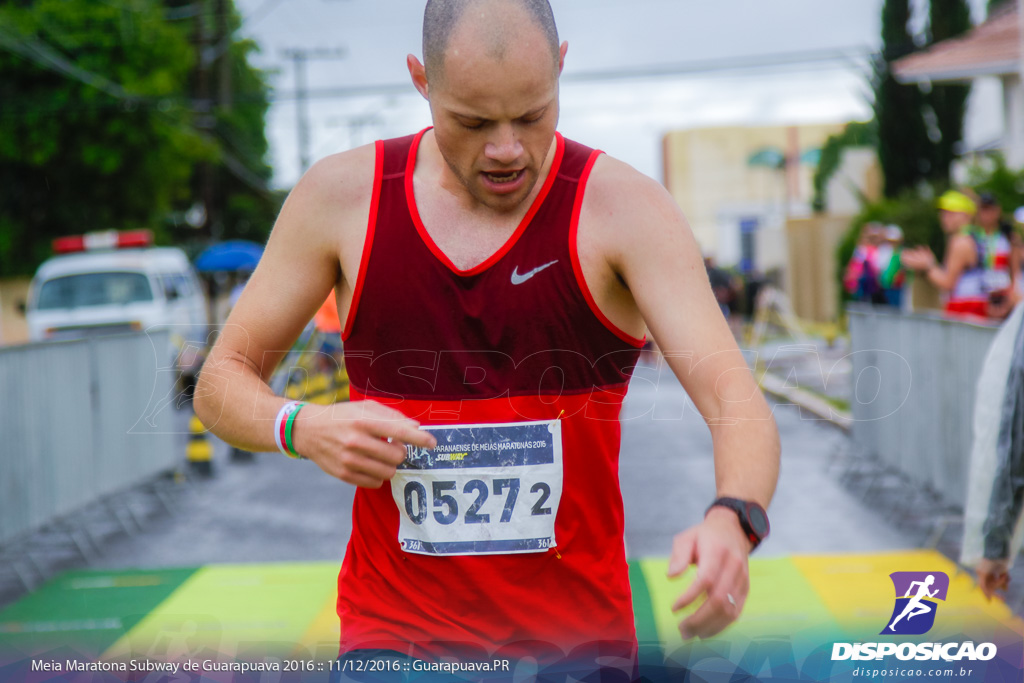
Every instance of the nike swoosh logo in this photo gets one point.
(518, 279)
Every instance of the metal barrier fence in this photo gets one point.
(75, 424)
(914, 380)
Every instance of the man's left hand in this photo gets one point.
(720, 549)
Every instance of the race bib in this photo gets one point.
(484, 490)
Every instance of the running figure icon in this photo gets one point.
(916, 606)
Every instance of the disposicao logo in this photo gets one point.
(916, 595)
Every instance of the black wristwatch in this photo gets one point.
(753, 518)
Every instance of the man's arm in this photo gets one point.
(315, 245)
(644, 266)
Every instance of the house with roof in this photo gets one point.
(993, 49)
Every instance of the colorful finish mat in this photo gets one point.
(799, 607)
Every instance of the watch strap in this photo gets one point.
(742, 510)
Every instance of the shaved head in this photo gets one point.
(442, 17)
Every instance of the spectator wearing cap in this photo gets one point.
(975, 274)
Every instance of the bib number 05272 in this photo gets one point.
(446, 506)
(485, 489)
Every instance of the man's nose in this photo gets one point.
(504, 147)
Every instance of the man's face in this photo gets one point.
(495, 118)
(988, 215)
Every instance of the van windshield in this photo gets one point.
(94, 289)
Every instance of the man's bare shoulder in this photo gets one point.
(339, 179)
(618, 195)
(328, 208)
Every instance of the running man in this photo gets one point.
(488, 271)
(916, 606)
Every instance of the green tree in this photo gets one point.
(94, 131)
(855, 134)
(98, 128)
(948, 18)
(903, 144)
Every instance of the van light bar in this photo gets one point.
(107, 239)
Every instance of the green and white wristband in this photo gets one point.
(283, 426)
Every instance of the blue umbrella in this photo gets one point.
(229, 256)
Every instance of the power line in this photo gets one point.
(299, 57)
(845, 56)
(48, 58)
(816, 58)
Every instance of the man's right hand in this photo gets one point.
(361, 443)
(993, 575)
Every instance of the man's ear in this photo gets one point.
(419, 75)
(562, 49)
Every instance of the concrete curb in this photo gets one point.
(776, 386)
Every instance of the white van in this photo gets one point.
(111, 282)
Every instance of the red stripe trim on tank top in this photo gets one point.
(378, 178)
(410, 196)
(575, 256)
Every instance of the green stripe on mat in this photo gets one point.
(266, 608)
(86, 610)
(643, 613)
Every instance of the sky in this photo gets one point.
(635, 69)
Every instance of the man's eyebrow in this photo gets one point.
(475, 117)
(536, 111)
(472, 117)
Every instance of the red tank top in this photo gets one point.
(514, 339)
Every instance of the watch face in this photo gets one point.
(758, 520)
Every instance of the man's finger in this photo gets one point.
(371, 457)
(414, 436)
(725, 602)
(700, 585)
(710, 619)
(683, 548)
(389, 454)
(404, 431)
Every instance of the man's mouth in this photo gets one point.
(502, 176)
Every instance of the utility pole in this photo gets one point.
(224, 59)
(299, 57)
(203, 107)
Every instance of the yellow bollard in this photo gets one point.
(199, 451)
